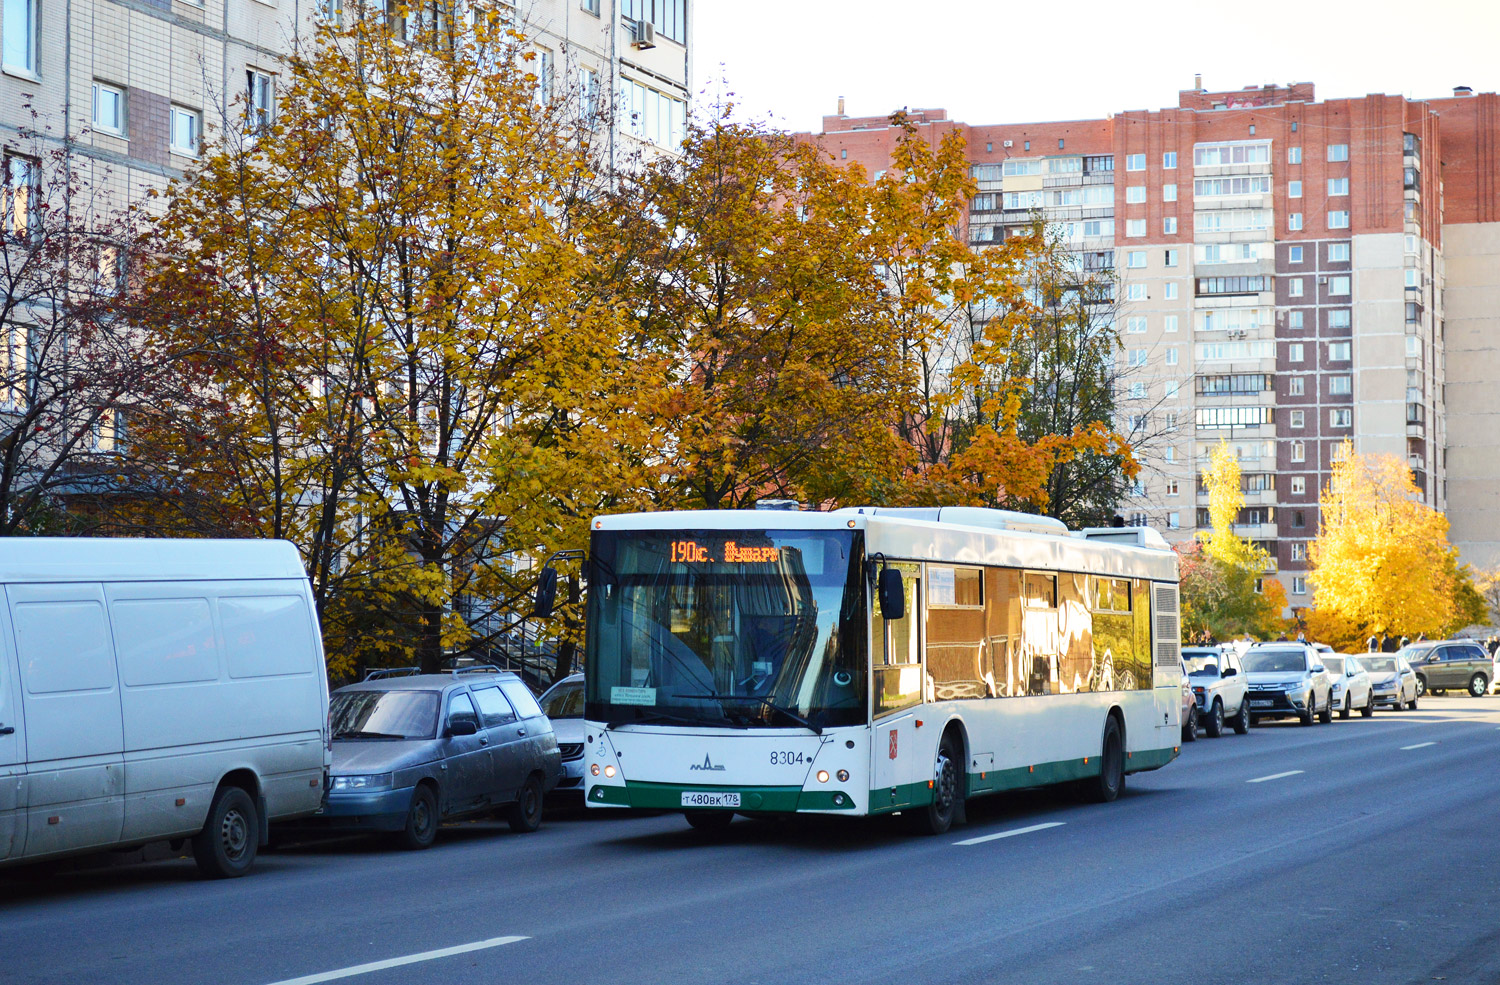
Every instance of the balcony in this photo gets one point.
(1255, 531)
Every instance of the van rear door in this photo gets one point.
(70, 693)
(12, 752)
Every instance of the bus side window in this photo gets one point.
(999, 662)
(955, 632)
(895, 649)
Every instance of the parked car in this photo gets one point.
(1351, 687)
(157, 690)
(1219, 688)
(1445, 664)
(1392, 681)
(412, 752)
(1189, 717)
(1287, 680)
(563, 703)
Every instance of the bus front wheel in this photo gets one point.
(947, 790)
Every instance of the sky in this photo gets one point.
(1001, 61)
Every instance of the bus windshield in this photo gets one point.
(740, 629)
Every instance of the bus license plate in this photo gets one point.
(703, 798)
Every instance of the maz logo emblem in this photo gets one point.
(708, 765)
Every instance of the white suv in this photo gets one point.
(1219, 688)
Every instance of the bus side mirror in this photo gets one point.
(892, 594)
(546, 593)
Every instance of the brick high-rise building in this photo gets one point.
(1290, 276)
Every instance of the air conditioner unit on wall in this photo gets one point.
(643, 35)
(1006, 143)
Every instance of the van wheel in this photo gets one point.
(1111, 780)
(421, 820)
(225, 848)
(525, 815)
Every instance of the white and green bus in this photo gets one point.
(872, 660)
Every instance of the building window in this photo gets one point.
(1135, 227)
(1135, 194)
(1171, 289)
(1338, 285)
(18, 36)
(1137, 391)
(1174, 520)
(1135, 162)
(669, 17)
(1169, 225)
(1170, 259)
(1169, 160)
(588, 97)
(1299, 519)
(22, 195)
(1338, 186)
(1137, 357)
(1169, 193)
(1294, 155)
(1299, 487)
(1171, 357)
(1294, 386)
(1413, 346)
(1169, 323)
(1411, 244)
(1338, 152)
(1297, 419)
(1299, 451)
(187, 130)
(1135, 325)
(1338, 352)
(591, 6)
(329, 11)
(1294, 254)
(1294, 189)
(1294, 319)
(1135, 292)
(1338, 220)
(1338, 386)
(1135, 258)
(1299, 585)
(1413, 277)
(261, 104)
(1294, 287)
(1026, 145)
(109, 109)
(1338, 318)
(1294, 221)
(1294, 352)
(658, 117)
(1338, 252)
(1169, 422)
(1169, 391)
(1340, 417)
(989, 147)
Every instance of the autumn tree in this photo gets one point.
(1381, 560)
(403, 376)
(1225, 588)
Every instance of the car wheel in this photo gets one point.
(937, 817)
(1344, 711)
(525, 815)
(1190, 728)
(1310, 715)
(1111, 780)
(1421, 685)
(1214, 726)
(225, 848)
(1368, 711)
(1412, 704)
(1326, 715)
(1242, 717)
(709, 820)
(1479, 686)
(421, 820)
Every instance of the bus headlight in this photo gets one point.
(594, 769)
(609, 771)
(822, 776)
(843, 776)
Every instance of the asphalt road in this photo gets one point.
(1371, 860)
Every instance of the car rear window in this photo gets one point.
(520, 696)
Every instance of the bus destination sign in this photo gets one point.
(727, 552)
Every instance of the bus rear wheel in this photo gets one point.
(1111, 780)
(937, 817)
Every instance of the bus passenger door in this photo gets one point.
(899, 683)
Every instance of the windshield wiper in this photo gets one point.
(357, 734)
(675, 719)
(767, 702)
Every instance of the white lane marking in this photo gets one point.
(1419, 745)
(1273, 776)
(1011, 833)
(365, 969)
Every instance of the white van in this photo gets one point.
(157, 689)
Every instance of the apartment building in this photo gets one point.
(1283, 286)
(135, 84)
